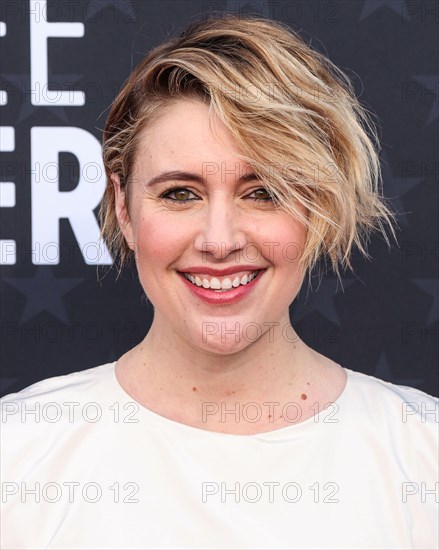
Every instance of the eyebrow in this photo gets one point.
(188, 176)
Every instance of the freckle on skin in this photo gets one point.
(308, 383)
(303, 396)
(194, 389)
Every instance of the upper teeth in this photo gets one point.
(216, 284)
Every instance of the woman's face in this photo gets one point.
(212, 223)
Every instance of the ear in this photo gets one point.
(122, 211)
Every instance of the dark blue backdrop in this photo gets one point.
(56, 318)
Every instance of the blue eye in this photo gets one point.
(180, 192)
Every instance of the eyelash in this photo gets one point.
(173, 189)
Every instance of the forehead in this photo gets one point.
(188, 135)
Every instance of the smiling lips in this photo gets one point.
(220, 279)
(225, 283)
(222, 295)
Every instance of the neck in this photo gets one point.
(195, 386)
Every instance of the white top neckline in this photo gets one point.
(295, 430)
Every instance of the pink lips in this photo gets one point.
(228, 297)
(231, 270)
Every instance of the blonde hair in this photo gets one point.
(293, 114)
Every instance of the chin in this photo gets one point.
(223, 345)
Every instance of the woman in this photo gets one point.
(237, 158)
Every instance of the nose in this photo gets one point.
(221, 232)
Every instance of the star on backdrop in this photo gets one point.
(431, 84)
(43, 292)
(383, 372)
(321, 300)
(22, 82)
(370, 6)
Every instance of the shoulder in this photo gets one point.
(394, 419)
(384, 397)
(56, 397)
(77, 381)
(46, 415)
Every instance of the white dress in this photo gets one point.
(85, 467)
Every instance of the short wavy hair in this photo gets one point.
(293, 113)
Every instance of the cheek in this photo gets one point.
(158, 238)
(287, 241)
(291, 239)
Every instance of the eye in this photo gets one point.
(181, 195)
(262, 195)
